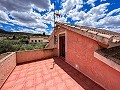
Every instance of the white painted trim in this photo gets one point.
(62, 32)
(58, 45)
(4, 58)
(65, 43)
(107, 61)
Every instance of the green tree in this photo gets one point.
(6, 47)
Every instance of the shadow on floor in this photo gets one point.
(80, 78)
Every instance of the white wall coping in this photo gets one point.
(4, 58)
(107, 61)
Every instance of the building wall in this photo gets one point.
(80, 54)
(38, 39)
(7, 64)
(51, 41)
(2, 38)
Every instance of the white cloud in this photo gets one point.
(69, 5)
(51, 7)
(36, 31)
(90, 18)
(110, 21)
(95, 17)
(29, 19)
(98, 10)
(24, 17)
(86, 18)
(1, 26)
(75, 15)
(62, 19)
(4, 17)
(22, 12)
(23, 5)
(25, 30)
(49, 16)
(91, 2)
(39, 30)
(115, 29)
(102, 0)
(114, 11)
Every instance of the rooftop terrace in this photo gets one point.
(41, 75)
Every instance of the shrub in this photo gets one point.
(16, 45)
(26, 47)
(6, 47)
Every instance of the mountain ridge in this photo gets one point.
(7, 33)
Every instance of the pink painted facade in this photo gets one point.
(51, 41)
(79, 52)
(7, 64)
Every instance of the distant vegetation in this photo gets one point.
(18, 42)
(15, 45)
(6, 33)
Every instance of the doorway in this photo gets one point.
(62, 45)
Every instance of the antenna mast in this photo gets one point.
(55, 13)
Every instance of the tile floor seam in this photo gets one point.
(61, 76)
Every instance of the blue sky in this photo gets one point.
(36, 16)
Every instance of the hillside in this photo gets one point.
(6, 33)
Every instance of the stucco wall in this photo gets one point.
(80, 54)
(51, 41)
(32, 55)
(42, 39)
(7, 64)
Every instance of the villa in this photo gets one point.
(76, 58)
(38, 39)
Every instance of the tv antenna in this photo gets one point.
(56, 13)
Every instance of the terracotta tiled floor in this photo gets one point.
(40, 76)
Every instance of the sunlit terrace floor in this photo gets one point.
(40, 76)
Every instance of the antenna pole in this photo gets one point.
(54, 13)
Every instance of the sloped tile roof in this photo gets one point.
(110, 38)
(111, 53)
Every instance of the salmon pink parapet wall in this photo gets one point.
(33, 55)
(7, 64)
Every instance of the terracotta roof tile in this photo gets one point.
(110, 38)
(111, 53)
